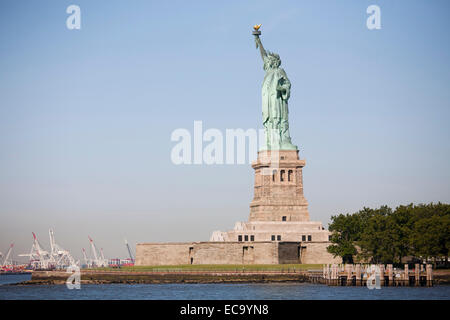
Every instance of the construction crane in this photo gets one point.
(57, 258)
(39, 258)
(86, 261)
(97, 262)
(93, 250)
(62, 257)
(6, 262)
(129, 251)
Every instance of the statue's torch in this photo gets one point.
(256, 33)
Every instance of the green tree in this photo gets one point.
(431, 237)
(402, 226)
(346, 229)
(379, 237)
(386, 236)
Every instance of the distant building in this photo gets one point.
(116, 263)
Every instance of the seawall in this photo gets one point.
(150, 277)
(105, 277)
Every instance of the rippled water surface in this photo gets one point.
(298, 291)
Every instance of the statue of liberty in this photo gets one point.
(276, 90)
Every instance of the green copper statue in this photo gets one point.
(276, 90)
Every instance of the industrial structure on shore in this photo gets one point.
(57, 258)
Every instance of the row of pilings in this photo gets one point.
(375, 275)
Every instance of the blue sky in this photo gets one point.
(86, 115)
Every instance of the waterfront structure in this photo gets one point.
(375, 275)
(56, 258)
(279, 229)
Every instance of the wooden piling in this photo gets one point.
(358, 274)
(429, 275)
(336, 275)
(417, 274)
(349, 271)
(382, 271)
(390, 274)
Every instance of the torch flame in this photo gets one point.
(256, 27)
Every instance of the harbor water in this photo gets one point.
(273, 291)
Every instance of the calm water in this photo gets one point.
(300, 291)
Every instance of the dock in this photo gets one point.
(376, 275)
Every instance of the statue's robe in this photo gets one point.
(275, 95)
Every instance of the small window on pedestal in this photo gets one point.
(309, 238)
(252, 238)
(278, 238)
(273, 238)
(239, 238)
(283, 218)
(303, 238)
(246, 238)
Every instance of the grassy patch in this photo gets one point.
(220, 267)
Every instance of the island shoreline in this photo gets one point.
(441, 277)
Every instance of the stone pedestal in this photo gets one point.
(278, 191)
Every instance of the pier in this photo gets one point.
(376, 275)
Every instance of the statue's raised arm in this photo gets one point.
(258, 42)
(260, 46)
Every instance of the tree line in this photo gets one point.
(420, 232)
